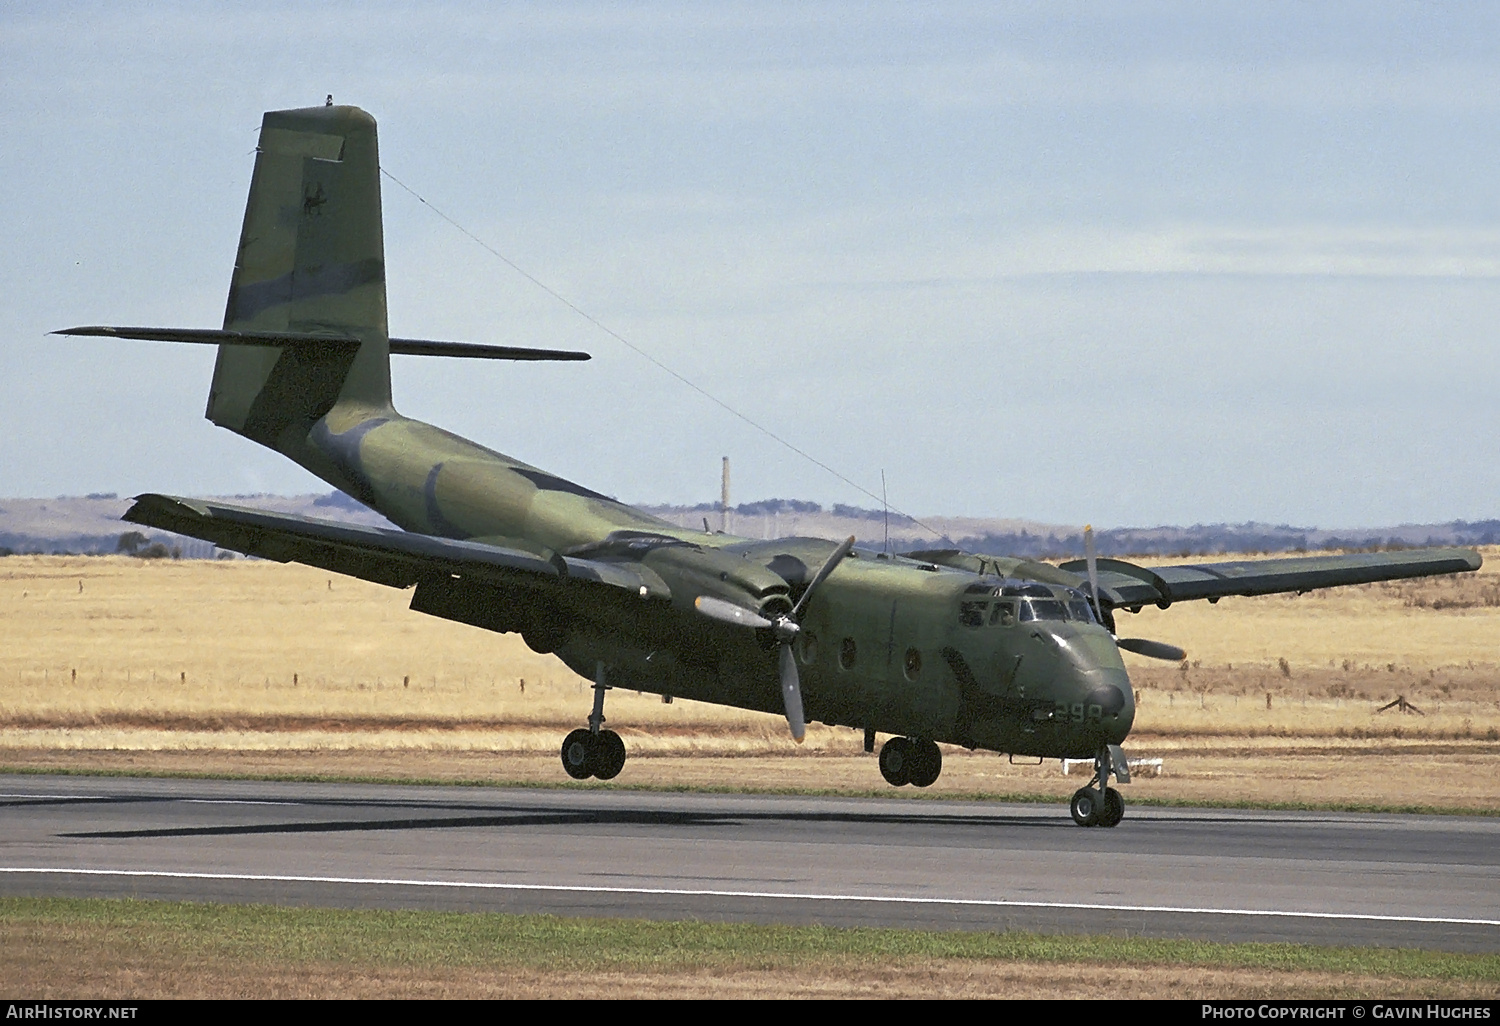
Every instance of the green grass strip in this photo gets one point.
(263, 933)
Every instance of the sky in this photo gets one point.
(1128, 264)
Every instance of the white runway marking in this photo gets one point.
(781, 895)
(70, 797)
(117, 797)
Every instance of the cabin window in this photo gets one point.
(807, 642)
(1004, 614)
(848, 654)
(1078, 609)
(971, 614)
(913, 665)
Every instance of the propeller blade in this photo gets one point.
(728, 612)
(791, 694)
(1152, 649)
(822, 575)
(1093, 562)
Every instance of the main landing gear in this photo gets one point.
(594, 752)
(910, 760)
(1098, 804)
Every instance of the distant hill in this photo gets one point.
(774, 518)
(91, 524)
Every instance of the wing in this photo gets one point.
(1128, 585)
(470, 581)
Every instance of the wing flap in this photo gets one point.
(395, 558)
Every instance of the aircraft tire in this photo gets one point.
(608, 757)
(1085, 807)
(1114, 808)
(578, 754)
(895, 761)
(926, 763)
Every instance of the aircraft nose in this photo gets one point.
(1100, 681)
(1116, 703)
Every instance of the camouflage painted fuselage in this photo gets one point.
(883, 646)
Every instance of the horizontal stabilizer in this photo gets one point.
(401, 346)
(475, 351)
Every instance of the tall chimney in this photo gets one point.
(724, 496)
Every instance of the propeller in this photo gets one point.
(1093, 562)
(1152, 649)
(1140, 646)
(786, 627)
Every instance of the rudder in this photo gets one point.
(311, 260)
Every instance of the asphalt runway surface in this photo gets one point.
(1323, 878)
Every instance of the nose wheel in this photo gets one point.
(906, 760)
(593, 751)
(1098, 804)
(1089, 811)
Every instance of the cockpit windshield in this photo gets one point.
(1042, 609)
(1023, 602)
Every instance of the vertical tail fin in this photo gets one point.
(311, 259)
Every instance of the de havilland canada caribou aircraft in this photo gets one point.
(1005, 654)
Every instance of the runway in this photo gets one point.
(1325, 878)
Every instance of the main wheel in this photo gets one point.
(609, 755)
(1085, 807)
(577, 754)
(1114, 808)
(926, 762)
(895, 761)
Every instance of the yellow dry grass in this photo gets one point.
(96, 639)
(117, 663)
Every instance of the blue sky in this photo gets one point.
(1124, 263)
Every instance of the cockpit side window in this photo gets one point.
(1004, 613)
(971, 614)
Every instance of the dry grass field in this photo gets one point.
(253, 667)
(245, 667)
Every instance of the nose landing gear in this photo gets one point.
(1098, 804)
(910, 761)
(594, 752)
